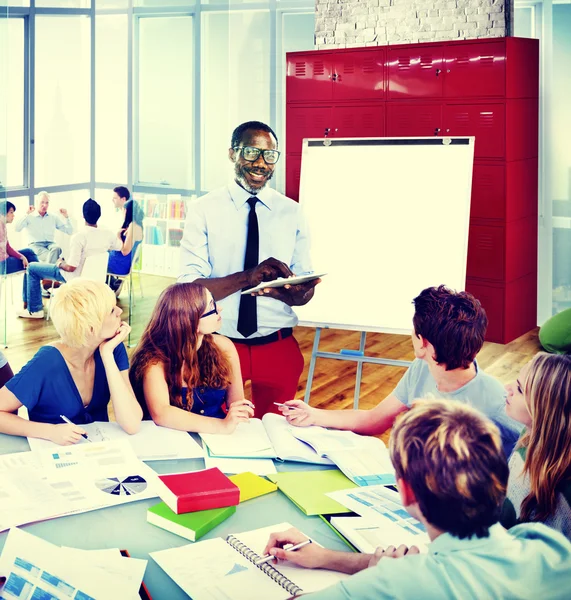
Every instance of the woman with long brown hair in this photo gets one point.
(184, 377)
(539, 487)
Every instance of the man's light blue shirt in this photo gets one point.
(42, 229)
(484, 392)
(528, 562)
(214, 245)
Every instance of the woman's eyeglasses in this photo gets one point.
(214, 311)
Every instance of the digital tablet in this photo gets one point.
(281, 281)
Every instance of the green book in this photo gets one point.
(191, 526)
(308, 489)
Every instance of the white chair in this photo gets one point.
(94, 268)
(3, 282)
(128, 277)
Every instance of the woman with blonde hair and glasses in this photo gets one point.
(79, 374)
(539, 487)
(184, 377)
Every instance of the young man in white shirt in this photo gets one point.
(91, 240)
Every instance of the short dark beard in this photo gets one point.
(241, 181)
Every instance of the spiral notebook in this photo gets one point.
(226, 568)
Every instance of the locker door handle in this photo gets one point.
(436, 130)
(326, 132)
(334, 77)
(438, 71)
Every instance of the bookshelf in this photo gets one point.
(162, 232)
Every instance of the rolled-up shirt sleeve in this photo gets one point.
(194, 254)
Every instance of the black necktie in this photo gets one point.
(247, 314)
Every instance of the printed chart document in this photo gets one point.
(365, 460)
(225, 569)
(72, 479)
(385, 520)
(282, 281)
(270, 437)
(150, 443)
(38, 570)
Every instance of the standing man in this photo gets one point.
(120, 196)
(235, 238)
(42, 227)
(90, 240)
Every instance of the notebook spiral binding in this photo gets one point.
(289, 586)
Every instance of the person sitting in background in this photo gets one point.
(448, 332)
(12, 260)
(183, 376)
(6, 372)
(42, 227)
(539, 487)
(131, 235)
(77, 375)
(91, 240)
(451, 475)
(555, 333)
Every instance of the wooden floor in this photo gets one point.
(334, 381)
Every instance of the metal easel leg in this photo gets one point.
(359, 371)
(312, 364)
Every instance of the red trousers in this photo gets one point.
(274, 370)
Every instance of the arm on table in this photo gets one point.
(314, 556)
(236, 387)
(127, 410)
(367, 422)
(12, 424)
(163, 413)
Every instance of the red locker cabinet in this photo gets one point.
(484, 88)
(325, 76)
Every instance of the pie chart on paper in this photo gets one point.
(126, 486)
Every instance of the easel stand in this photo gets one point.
(357, 356)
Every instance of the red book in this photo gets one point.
(199, 490)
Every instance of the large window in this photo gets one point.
(235, 83)
(62, 100)
(165, 102)
(111, 105)
(12, 102)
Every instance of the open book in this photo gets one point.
(226, 568)
(364, 460)
(269, 437)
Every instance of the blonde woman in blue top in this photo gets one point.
(79, 374)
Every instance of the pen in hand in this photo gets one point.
(281, 405)
(287, 547)
(83, 435)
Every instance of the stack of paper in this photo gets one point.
(384, 520)
(35, 568)
(150, 443)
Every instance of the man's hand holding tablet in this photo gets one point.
(293, 291)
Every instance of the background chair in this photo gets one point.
(128, 277)
(94, 268)
(3, 282)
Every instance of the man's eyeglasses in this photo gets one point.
(214, 311)
(251, 154)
